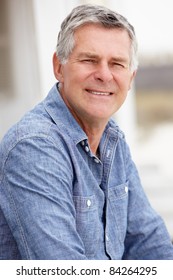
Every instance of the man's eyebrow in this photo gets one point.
(93, 55)
(87, 54)
(120, 59)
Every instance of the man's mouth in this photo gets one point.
(102, 93)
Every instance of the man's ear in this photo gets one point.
(57, 67)
(131, 79)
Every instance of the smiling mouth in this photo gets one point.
(101, 93)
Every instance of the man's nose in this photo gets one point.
(103, 73)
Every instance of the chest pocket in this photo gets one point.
(117, 209)
(87, 222)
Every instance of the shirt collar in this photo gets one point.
(60, 114)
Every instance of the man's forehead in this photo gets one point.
(82, 33)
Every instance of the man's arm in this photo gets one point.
(147, 236)
(38, 200)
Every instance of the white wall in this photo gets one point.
(48, 15)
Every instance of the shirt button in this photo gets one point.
(107, 238)
(83, 143)
(126, 189)
(87, 149)
(96, 160)
(88, 202)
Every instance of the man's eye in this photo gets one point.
(89, 60)
(118, 65)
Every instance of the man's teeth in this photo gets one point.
(100, 93)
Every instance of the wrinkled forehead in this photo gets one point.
(91, 28)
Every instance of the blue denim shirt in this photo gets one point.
(59, 201)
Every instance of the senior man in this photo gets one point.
(68, 186)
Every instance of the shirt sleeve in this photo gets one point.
(147, 236)
(38, 200)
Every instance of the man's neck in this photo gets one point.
(94, 136)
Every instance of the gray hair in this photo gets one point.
(85, 14)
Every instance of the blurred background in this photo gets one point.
(28, 32)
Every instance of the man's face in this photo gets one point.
(96, 78)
